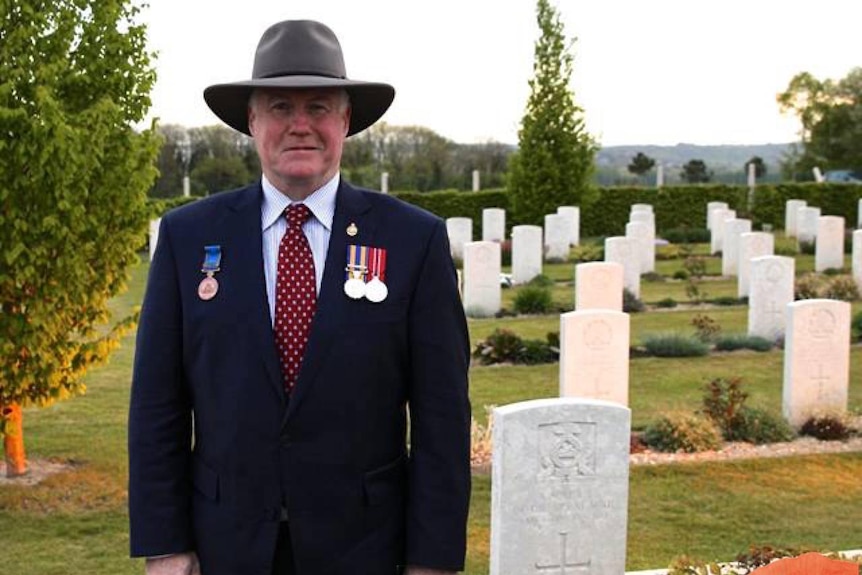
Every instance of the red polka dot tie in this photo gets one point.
(295, 295)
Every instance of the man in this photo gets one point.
(286, 329)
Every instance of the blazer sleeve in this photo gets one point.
(439, 468)
(160, 419)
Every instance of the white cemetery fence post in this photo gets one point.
(857, 258)
(751, 245)
(806, 224)
(624, 251)
(482, 290)
(816, 359)
(573, 216)
(791, 217)
(460, 231)
(559, 487)
(384, 182)
(829, 245)
(527, 253)
(594, 355)
(648, 218)
(770, 290)
(599, 285)
(557, 237)
(493, 225)
(730, 249)
(659, 176)
(711, 207)
(154, 236)
(640, 232)
(476, 180)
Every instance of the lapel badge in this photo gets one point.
(208, 288)
(352, 230)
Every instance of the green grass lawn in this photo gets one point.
(76, 522)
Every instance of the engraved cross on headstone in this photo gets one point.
(773, 309)
(821, 378)
(564, 567)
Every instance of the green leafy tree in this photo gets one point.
(759, 166)
(830, 114)
(641, 164)
(75, 78)
(695, 172)
(554, 163)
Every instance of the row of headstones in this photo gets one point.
(560, 466)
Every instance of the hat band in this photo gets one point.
(295, 73)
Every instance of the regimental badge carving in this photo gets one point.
(597, 334)
(821, 324)
(774, 272)
(567, 450)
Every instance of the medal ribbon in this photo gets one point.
(357, 260)
(377, 263)
(212, 259)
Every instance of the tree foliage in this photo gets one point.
(759, 166)
(695, 172)
(75, 77)
(641, 164)
(830, 114)
(554, 162)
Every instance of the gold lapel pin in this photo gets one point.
(352, 230)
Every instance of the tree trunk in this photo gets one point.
(13, 441)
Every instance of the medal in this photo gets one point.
(376, 290)
(354, 288)
(208, 288)
(357, 267)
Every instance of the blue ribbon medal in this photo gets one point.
(208, 287)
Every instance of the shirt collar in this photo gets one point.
(321, 202)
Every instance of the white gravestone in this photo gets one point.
(712, 206)
(791, 213)
(594, 355)
(460, 231)
(526, 253)
(806, 223)
(659, 176)
(770, 290)
(154, 236)
(751, 245)
(730, 245)
(859, 214)
(557, 237)
(641, 208)
(624, 251)
(829, 248)
(559, 488)
(816, 358)
(384, 182)
(717, 229)
(599, 285)
(573, 215)
(482, 291)
(640, 232)
(647, 218)
(818, 175)
(476, 180)
(493, 225)
(857, 258)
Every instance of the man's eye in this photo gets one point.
(318, 109)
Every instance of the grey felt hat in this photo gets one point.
(299, 54)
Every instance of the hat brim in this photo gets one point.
(368, 100)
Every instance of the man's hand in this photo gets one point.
(179, 564)
(412, 570)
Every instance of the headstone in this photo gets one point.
(154, 236)
(752, 175)
(493, 225)
(807, 218)
(640, 232)
(460, 232)
(816, 358)
(717, 229)
(812, 563)
(857, 258)
(859, 215)
(599, 285)
(770, 290)
(594, 355)
(559, 487)
(476, 180)
(557, 236)
(482, 291)
(647, 218)
(659, 176)
(711, 207)
(384, 182)
(187, 186)
(818, 175)
(624, 251)
(791, 213)
(641, 208)
(526, 253)
(751, 245)
(573, 216)
(829, 248)
(730, 245)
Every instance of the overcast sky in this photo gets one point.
(645, 71)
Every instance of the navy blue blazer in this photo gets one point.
(217, 451)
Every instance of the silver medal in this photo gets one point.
(354, 288)
(376, 291)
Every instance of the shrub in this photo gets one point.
(667, 302)
(856, 327)
(785, 246)
(842, 288)
(683, 432)
(734, 342)
(631, 304)
(532, 299)
(686, 235)
(668, 252)
(807, 286)
(727, 300)
(541, 280)
(588, 253)
(653, 277)
(506, 253)
(501, 346)
(706, 328)
(827, 427)
(807, 248)
(832, 272)
(681, 275)
(723, 400)
(760, 426)
(534, 352)
(674, 345)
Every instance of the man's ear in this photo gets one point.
(347, 112)
(251, 120)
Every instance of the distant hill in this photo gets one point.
(723, 157)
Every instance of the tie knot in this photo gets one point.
(297, 214)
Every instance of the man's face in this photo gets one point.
(299, 135)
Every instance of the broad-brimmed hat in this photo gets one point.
(299, 54)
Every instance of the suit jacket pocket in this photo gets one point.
(205, 479)
(386, 482)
